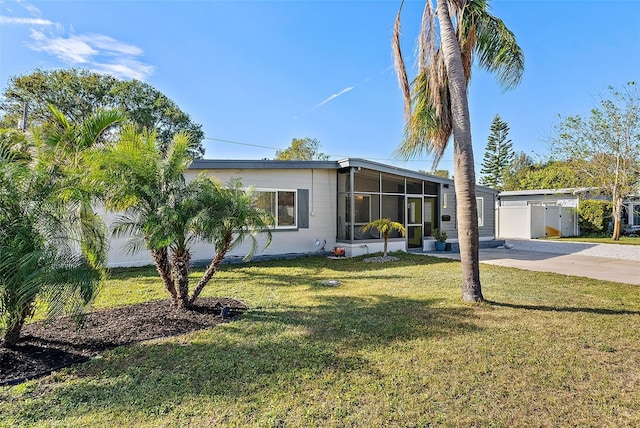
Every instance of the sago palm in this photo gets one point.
(436, 103)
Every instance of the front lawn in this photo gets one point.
(624, 240)
(393, 345)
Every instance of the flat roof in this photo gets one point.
(202, 164)
(542, 192)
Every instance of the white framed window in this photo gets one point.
(281, 204)
(480, 203)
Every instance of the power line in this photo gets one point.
(330, 155)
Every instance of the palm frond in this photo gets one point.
(97, 124)
(401, 70)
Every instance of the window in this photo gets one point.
(480, 203)
(281, 204)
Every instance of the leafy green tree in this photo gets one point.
(384, 226)
(497, 155)
(436, 104)
(519, 167)
(444, 173)
(554, 175)
(164, 214)
(302, 149)
(52, 247)
(605, 147)
(78, 93)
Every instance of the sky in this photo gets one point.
(257, 74)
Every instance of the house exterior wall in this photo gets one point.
(315, 184)
(448, 208)
(321, 185)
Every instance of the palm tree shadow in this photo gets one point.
(570, 309)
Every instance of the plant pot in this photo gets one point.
(440, 246)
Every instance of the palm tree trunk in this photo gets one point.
(161, 260)
(464, 171)
(12, 333)
(180, 268)
(211, 269)
(385, 235)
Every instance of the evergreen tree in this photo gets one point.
(497, 156)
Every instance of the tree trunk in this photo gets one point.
(12, 333)
(464, 171)
(385, 237)
(211, 269)
(180, 268)
(616, 214)
(161, 260)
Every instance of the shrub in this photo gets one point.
(594, 216)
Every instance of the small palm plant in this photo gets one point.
(384, 226)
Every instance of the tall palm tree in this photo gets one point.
(52, 248)
(436, 102)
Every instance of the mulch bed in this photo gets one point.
(44, 348)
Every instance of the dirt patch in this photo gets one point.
(44, 348)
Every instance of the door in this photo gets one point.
(414, 222)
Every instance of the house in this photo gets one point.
(318, 205)
(539, 213)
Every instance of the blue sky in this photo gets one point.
(263, 72)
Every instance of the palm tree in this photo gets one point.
(233, 219)
(52, 248)
(384, 226)
(436, 102)
(163, 213)
(146, 185)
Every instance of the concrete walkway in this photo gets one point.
(608, 262)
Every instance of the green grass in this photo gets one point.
(624, 240)
(393, 345)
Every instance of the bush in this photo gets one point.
(594, 216)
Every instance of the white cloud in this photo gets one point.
(131, 70)
(72, 50)
(32, 9)
(334, 96)
(99, 52)
(8, 20)
(109, 44)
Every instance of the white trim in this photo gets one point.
(480, 206)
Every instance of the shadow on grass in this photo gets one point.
(311, 270)
(544, 308)
(264, 353)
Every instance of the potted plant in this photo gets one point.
(441, 239)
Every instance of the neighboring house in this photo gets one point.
(530, 214)
(319, 205)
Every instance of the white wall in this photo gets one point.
(322, 215)
(514, 222)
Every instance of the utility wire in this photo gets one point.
(330, 155)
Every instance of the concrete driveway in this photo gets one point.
(608, 262)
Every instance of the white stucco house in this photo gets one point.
(319, 205)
